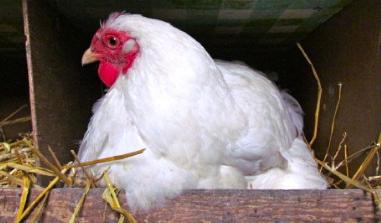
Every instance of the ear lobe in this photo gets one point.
(129, 45)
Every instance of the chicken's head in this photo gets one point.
(115, 50)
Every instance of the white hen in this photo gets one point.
(204, 123)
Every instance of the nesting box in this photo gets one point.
(342, 38)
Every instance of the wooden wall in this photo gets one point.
(346, 49)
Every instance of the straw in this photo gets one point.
(319, 94)
(79, 205)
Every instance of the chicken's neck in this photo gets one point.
(175, 86)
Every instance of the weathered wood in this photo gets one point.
(61, 93)
(346, 49)
(212, 206)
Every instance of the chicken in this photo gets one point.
(204, 123)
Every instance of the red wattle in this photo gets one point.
(108, 73)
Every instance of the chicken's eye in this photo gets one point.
(112, 42)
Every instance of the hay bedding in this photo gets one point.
(20, 166)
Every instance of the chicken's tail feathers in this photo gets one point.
(294, 110)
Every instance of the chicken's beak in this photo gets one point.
(89, 57)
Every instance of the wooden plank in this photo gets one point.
(212, 206)
(61, 93)
(346, 49)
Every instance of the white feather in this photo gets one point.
(204, 123)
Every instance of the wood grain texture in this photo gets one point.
(211, 206)
(346, 49)
(61, 92)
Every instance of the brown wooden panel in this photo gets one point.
(212, 206)
(345, 49)
(61, 93)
